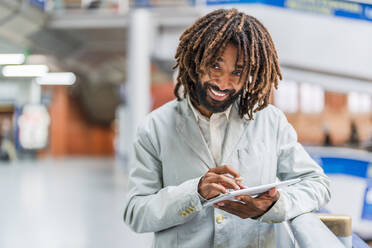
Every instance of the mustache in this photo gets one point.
(216, 88)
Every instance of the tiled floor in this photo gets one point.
(69, 203)
(65, 204)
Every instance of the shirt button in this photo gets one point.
(220, 218)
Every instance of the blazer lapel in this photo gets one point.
(189, 130)
(234, 132)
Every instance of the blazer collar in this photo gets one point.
(190, 132)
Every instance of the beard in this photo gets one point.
(213, 105)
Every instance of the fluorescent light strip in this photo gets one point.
(57, 78)
(12, 59)
(25, 70)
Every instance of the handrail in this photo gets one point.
(307, 230)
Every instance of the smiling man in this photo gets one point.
(220, 134)
(219, 85)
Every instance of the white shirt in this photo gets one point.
(213, 130)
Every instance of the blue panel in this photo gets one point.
(340, 8)
(39, 3)
(367, 207)
(352, 167)
(142, 3)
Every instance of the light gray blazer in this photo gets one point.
(171, 156)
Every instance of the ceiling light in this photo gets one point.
(12, 59)
(57, 78)
(25, 70)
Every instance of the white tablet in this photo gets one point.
(250, 191)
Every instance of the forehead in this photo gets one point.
(229, 54)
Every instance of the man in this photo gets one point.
(220, 134)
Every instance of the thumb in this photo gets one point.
(244, 198)
(272, 192)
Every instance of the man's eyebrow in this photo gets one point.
(220, 59)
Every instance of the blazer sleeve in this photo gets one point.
(311, 193)
(150, 207)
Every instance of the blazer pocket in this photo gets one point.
(251, 165)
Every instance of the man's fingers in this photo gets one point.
(210, 190)
(241, 185)
(224, 180)
(272, 192)
(269, 194)
(230, 203)
(226, 169)
(275, 194)
(236, 208)
(217, 188)
(251, 207)
(215, 182)
(244, 198)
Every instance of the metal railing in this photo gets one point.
(306, 230)
(312, 230)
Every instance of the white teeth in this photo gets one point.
(217, 93)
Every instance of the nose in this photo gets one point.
(224, 81)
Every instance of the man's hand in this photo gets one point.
(252, 207)
(214, 182)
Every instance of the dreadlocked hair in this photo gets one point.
(202, 43)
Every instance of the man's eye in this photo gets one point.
(237, 73)
(215, 66)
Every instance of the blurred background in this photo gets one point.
(77, 76)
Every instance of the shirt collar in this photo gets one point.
(199, 115)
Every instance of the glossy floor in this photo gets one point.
(65, 203)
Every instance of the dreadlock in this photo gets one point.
(203, 42)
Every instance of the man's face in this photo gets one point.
(217, 90)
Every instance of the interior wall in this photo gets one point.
(304, 39)
(71, 133)
(336, 118)
(318, 41)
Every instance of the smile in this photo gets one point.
(217, 95)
